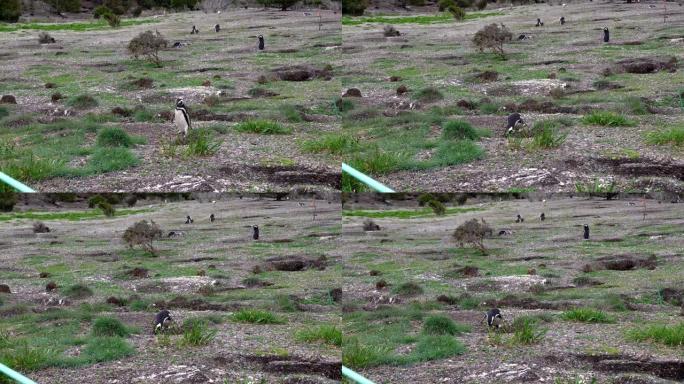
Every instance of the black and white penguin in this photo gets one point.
(161, 320)
(194, 30)
(606, 35)
(562, 20)
(586, 232)
(519, 219)
(515, 122)
(212, 218)
(261, 42)
(542, 217)
(539, 23)
(181, 118)
(494, 318)
(217, 28)
(255, 232)
(188, 220)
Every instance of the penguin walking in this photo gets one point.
(217, 28)
(194, 30)
(515, 122)
(494, 318)
(181, 118)
(542, 217)
(586, 232)
(189, 220)
(161, 320)
(261, 42)
(606, 35)
(519, 219)
(562, 20)
(539, 23)
(212, 218)
(255, 232)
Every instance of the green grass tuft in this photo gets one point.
(459, 130)
(255, 316)
(263, 127)
(77, 291)
(672, 135)
(442, 325)
(108, 326)
(196, 332)
(201, 142)
(670, 335)
(114, 137)
(328, 334)
(335, 144)
(587, 315)
(607, 119)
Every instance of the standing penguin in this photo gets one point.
(161, 320)
(519, 219)
(542, 217)
(212, 218)
(539, 23)
(255, 232)
(217, 28)
(194, 30)
(562, 20)
(188, 220)
(586, 232)
(181, 118)
(261, 42)
(494, 318)
(606, 35)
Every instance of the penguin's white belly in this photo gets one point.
(181, 124)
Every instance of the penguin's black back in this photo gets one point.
(512, 119)
(161, 316)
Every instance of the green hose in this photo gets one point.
(7, 179)
(362, 177)
(18, 377)
(355, 376)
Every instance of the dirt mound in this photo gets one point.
(51, 286)
(8, 99)
(4, 288)
(624, 263)
(293, 263)
(288, 174)
(643, 65)
(486, 76)
(672, 296)
(138, 273)
(123, 112)
(115, 301)
(352, 92)
(468, 271)
(142, 83)
(645, 167)
(664, 369)
(465, 104)
(401, 90)
(181, 302)
(301, 73)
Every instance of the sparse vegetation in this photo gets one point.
(108, 326)
(607, 119)
(473, 232)
(328, 334)
(143, 234)
(148, 45)
(255, 316)
(196, 332)
(493, 37)
(670, 335)
(263, 127)
(587, 315)
(673, 136)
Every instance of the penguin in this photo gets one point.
(161, 320)
(606, 35)
(586, 232)
(562, 20)
(493, 318)
(523, 37)
(255, 232)
(194, 30)
(188, 220)
(542, 217)
(181, 118)
(515, 122)
(504, 232)
(217, 28)
(539, 23)
(261, 42)
(212, 218)
(519, 219)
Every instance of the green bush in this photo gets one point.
(114, 137)
(255, 316)
(101, 349)
(107, 209)
(607, 119)
(65, 5)
(108, 326)
(670, 335)
(8, 200)
(94, 200)
(118, 7)
(442, 325)
(587, 315)
(445, 4)
(459, 130)
(481, 4)
(356, 355)
(82, 102)
(263, 127)
(201, 142)
(354, 7)
(457, 12)
(77, 291)
(113, 20)
(10, 10)
(328, 334)
(672, 135)
(429, 95)
(527, 331)
(408, 289)
(196, 332)
(437, 207)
